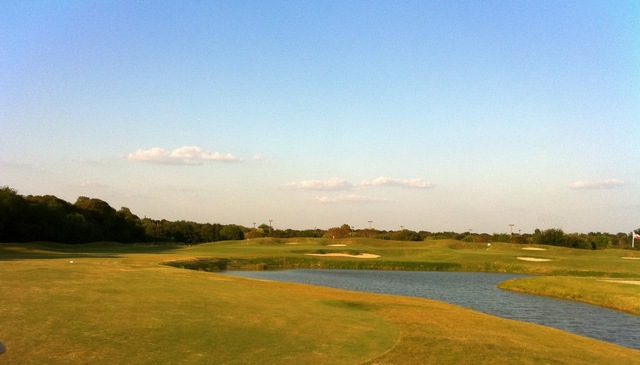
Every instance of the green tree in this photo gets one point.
(577, 241)
(338, 232)
(265, 229)
(77, 227)
(501, 237)
(128, 226)
(13, 215)
(405, 235)
(231, 232)
(551, 237)
(210, 232)
(47, 215)
(252, 234)
(600, 241)
(101, 219)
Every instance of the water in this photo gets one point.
(476, 291)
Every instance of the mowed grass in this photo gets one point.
(499, 257)
(132, 310)
(118, 304)
(569, 274)
(620, 294)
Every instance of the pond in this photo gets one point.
(476, 291)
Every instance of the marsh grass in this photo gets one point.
(118, 304)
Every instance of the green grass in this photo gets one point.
(120, 304)
(556, 278)
(598, 291)
(438, 255)
(117, 311)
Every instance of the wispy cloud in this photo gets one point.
(389, 181)
(335, 183)
(351, 198)
(186, 155)
(338, 183)
(600, 184)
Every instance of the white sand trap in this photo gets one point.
(534, 249)
(634, 282)
(631, 258)
(291, 243)
(532, 259)
(337, 245)
(361, 256)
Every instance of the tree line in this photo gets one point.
(551, 237)
(48, 218)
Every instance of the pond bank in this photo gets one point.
(565, 285)
(476, 291)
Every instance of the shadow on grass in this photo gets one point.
(53, 250)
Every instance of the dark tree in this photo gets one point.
(338, 232)
(551, 237)
(231, 232)
(405, 235)
(13, 216)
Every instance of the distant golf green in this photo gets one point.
(107, 303)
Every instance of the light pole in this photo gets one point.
(370, 224)
(511, 226)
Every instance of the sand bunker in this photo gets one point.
(291, 243)
(534, 249)
(631, 258)
(634, 282)
(337, 245)
(532, 259)
(360, 256)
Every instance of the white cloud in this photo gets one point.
(350, 198)
(601, 184)
(258, 157)
(186, 155)
(335, 183)
(388, 181)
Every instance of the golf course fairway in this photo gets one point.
(108, 303)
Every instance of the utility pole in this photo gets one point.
(511, 225)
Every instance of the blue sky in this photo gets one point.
(432, 115)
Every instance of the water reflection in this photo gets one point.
(476, 291)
